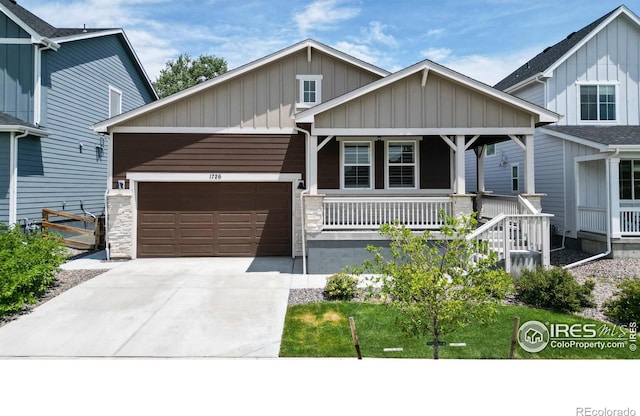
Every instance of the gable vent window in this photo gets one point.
(310, 90)
(597, 102)
(115, 101)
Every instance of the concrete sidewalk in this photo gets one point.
(197, 307)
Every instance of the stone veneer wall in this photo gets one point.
(119, 228)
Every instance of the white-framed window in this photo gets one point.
(402, 168)
(357, 166)
(115, 101)
(629, 179)
(310, 90)
(515, 177)
(490, 149)
(597, 103)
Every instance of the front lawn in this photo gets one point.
(322, 330)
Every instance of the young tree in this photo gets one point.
(437, 285)
(185, 72)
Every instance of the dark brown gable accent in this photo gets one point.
(378, 158)
(195, 153)
(435, 163)
(329, 165)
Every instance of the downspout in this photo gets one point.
(37, 93)
(13, 175)
(306, 191)
(107, 244)
(608, 251)
(544, 88)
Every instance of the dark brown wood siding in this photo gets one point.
(435, 163)
(378, 158)
(329, 166)
(193, 153)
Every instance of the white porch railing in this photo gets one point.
(494, 205)
(368, 213)
(520, 233)
(592, 219)
(630, 221)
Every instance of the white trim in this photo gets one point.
(621, 10)
(119, 92)
(35, 36)
(544, 115)
(372, 168)
(597, 121)
(17, 128)
(415, 164)
(13, 179)
(579, 140)
(318, 91)
(104, 125)
(404, 192)
(524, 83)
(468, 131)
(202, 130)
(15, 41)
(207, 177)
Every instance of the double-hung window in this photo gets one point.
(629, 179)
(401, 165)
(310, 91)
(356, 165)
(597, 103)
(515, 177)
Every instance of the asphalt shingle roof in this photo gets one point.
(607, 135)
(549, 56)
(7, 120)
(41, 27)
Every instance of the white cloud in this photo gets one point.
(488, 68)
(436, 54)
(435, 32)
(374, 34)
(322, 14)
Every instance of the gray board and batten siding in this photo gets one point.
(263, 98)
(70, 166)
(4, 178)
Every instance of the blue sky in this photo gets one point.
(484, 39)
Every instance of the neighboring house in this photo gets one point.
(54, 84)
(305, 151)
(587, 164)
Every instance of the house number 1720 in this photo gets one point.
(215, 176)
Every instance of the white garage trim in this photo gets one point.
(136, 177)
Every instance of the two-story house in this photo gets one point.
(306, 152)
(54, 84)
(587, 164)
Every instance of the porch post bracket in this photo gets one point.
(472, 141)
(425, 73)
(448, 141)
(324, 142)
(518, 141)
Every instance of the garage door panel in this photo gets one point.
(214, 219)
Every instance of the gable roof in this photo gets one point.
(43, 32)
(601, 137)
(305, 44)
(549, 59)
(545, 116)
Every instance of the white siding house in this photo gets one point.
(585, 165)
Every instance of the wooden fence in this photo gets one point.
(81, 238)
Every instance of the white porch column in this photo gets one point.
(614, 194)
(480, 169)
(312, 169)
(13, 178)
(529, 174)
(460, 187)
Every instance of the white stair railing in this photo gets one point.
(520, 233)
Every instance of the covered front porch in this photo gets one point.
(395, 150)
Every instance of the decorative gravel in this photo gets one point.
(605, 272)
(64, 280)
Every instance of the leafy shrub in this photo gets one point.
(341, 286)
(554, 288)
(27, 266)
(625, 306)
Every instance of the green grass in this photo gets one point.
(322, 330)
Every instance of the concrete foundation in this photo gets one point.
(621, 248)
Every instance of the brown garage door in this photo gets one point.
(214, 219)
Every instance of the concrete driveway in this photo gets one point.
(209, 307)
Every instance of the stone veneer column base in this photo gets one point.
(119, 228)
(461, 204)
(535, 199)
(313, 213)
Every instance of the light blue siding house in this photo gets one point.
(588, 164)
(56, 83)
